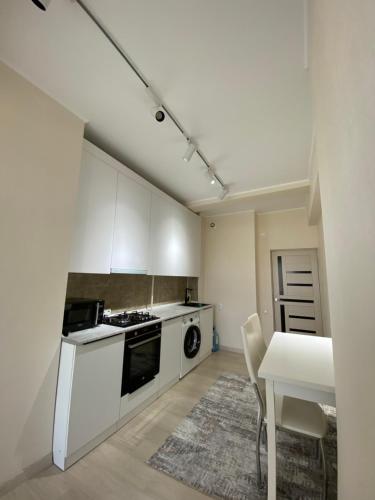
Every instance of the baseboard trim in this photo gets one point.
(28, 472)
(167, 386)
(85, 449)
(231, 349)
(134, 412)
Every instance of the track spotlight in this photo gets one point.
(223, 193)
(211, 175)
(190, 151)
(159, 114)
(157, 111)
(42, 4)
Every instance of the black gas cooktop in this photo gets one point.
(129, 319)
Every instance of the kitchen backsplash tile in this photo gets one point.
(119, 291)
(169, 289)
(129, 291)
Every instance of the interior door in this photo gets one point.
(296, 292)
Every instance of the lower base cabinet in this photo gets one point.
(89, 407)
(170, 355)
(133, 401)
(88, 396)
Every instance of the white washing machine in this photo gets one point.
(191, 343)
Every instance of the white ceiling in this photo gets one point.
(231, 71)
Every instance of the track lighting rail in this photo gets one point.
(136, 71)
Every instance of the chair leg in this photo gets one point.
(259, 430)
(324, 466)
(264, 435)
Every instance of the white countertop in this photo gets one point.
(163, 312)
(300, 360)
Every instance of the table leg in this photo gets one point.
(271, 431)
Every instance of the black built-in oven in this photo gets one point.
(141, 357)
(80, 314)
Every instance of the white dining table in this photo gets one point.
(300, 366)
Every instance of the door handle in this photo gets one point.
(132, 346)
(276, 299)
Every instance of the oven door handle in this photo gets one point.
(132, 346)
(96, 314)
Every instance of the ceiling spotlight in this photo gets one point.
(159, 114)
(42, 4)
(211, 175)
(223, 193)
(190, 151)
(157, 111)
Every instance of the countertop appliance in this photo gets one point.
(141, 361)
(191, 343)
(80, 314)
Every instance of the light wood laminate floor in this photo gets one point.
(116, 469)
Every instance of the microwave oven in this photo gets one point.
(80, 314)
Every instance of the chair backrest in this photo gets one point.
(254, 349)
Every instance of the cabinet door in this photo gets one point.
(132, 227)
(170, 355)
(95, 215)
(96, 390)
(175, 239)
(206, 321)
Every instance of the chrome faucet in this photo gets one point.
(188, 295)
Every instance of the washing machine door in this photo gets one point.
(192, 341)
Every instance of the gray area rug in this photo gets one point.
(213, 449)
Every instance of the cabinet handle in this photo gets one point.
(132, 346)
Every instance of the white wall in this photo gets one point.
(40, 147)
(343, 83)
(324, 300)
(228, 273)
(282, 230)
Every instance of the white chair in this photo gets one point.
(293, 414)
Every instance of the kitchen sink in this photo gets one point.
(194, 304)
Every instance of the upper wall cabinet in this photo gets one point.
(130, 253)
(124, 224)
(95, 216)
(175, 239)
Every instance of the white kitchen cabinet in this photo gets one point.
(130, 253)
(88, 397)
(132, 403)
(170, 355)
(124, 224)
(206, 321)
(94, 217)
(175, 239)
